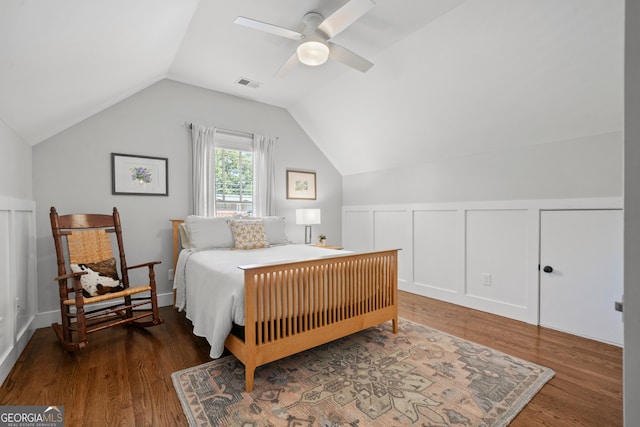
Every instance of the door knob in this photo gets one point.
(547, 269)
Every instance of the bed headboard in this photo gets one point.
(176, 240)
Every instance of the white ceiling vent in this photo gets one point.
(249, 83)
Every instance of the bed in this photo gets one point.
(266, 303)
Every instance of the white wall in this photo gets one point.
(72, 171)
(582, 167)
(631, 367)
(15, 165)
(458, 218)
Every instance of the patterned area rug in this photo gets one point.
(373, 378)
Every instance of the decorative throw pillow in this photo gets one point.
(249, 234)
(101, 278)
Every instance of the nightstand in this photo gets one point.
(329, 247)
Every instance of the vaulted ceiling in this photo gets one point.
(451, 77)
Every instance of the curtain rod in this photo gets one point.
(227, 131)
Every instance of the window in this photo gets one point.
(234, 182)
(234, 174)
(234, 171)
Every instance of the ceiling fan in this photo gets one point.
(314, 45)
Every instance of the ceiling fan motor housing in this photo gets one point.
(311, 21)
(313, 49)
(314, 45)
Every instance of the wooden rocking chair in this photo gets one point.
(89, 276)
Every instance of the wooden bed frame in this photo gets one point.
(295, 306)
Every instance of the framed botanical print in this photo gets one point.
(139, 175)
(301, 185)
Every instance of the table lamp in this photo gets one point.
(307, 217)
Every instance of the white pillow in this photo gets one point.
(274, 229)
(207, 233)
(184, 236)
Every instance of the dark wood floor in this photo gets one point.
(124, 376)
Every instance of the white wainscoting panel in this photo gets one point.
(482, 255)
(6, 308)
(25, 270)
(437, 263)
(497, 256)
(18, 302)
(357, 230)
(392, 230)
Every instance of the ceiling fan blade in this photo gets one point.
(345, 56)
(345, 16)
(268, 28)
(287, 66)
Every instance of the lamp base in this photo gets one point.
(307, 234)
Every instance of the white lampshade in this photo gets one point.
(313, 52)
(307, 216)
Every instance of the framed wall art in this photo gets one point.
(301, 185)
(139, 175)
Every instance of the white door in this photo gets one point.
(581, 270)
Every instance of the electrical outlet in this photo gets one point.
(170, 275)
(486, 279)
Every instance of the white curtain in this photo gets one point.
(204, 170)
(264, 175)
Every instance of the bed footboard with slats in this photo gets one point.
(296, 306)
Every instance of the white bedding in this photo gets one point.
(210, 285)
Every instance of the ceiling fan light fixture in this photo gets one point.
(313, 52)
